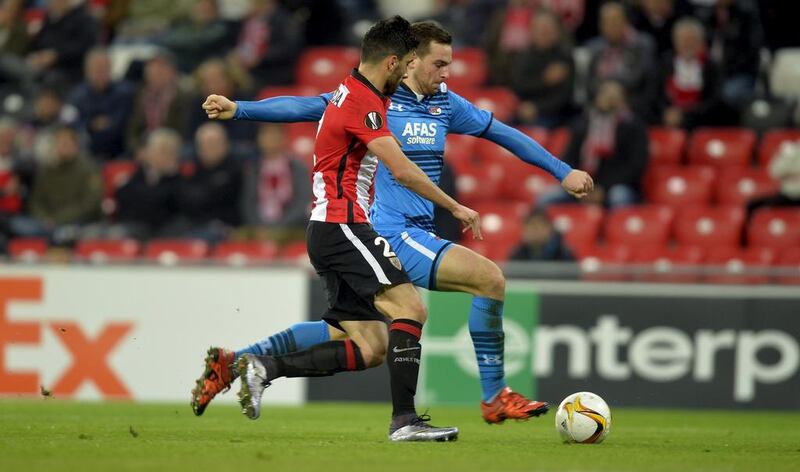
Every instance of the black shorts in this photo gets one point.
(356, 263)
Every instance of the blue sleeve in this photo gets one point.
(526, 149)
(466, 118)
(283, 109)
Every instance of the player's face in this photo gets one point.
(399, 73)
(431, 70)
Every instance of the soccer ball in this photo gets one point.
(583, 417)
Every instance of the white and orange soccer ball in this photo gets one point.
(583, 417)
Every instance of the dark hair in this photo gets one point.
(390, 37)
(427, 32)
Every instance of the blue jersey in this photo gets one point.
(421, 124)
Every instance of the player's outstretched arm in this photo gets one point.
(410, 175)
(576, 182)
(273, 110)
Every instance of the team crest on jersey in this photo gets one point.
(435, 111)
(373, 120)
(396, 263)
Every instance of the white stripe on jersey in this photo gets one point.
(320, 210)
(376, 267)
(419, 247)
(366, 174)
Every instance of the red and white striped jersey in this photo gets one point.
(344, 171)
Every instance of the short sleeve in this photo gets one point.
(366, 119)
(466, 118)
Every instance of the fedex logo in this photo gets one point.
(89, 355)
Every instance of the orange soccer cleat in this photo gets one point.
(217, 377)
(510, 405)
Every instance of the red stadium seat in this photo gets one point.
(679, 186)
(115, 175)
(580, 224)
(240, 253)
(788, 263)
(558, 142)
(722, 146)
(501, 225)
(498, 100)
(27, 249)
(777, 228)
(300, 138)
(520, 181)
(667, 145)
(295, 251)
(476, 183)
(771, 142)
(739, 185)
(663, 260)
(326, 67)
(173, 251)
(489, 151)
(734, 262)
(601, 262)
(645, 225)
(468, 69)
(100, 251)
(288, 90)
(459, 149)
(709, 226)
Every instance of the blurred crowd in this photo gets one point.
(86, 83)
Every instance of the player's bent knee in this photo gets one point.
(495, 283)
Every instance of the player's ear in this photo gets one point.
(392, 62)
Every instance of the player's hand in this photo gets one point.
(470, 219)
(578, 183)
(218, 107)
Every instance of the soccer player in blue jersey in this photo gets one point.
(422, 113)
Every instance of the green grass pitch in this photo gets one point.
(50, 435)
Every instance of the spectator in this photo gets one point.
(609, 143)
(217, 77)
(199, 37)
(541, 241)
(13, 42)
(160, 102)
(543, 76)
(657, 19)
(103, 106)
(509, 33)
(785, 168)
(66, 193)
(56, 52)
(208, 199)
(689, 81)
(269, 43)
(135, 21)
(15, 171)
(626, 55)
(277, 190)
(39, 131)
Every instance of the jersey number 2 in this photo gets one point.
(387, 250)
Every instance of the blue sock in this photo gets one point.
(298, 337)
(486, 329)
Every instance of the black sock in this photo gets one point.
(319, 361)
(403, 357)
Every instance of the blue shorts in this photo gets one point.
(420, 253)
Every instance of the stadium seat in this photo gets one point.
(501, 225)
(662, 261)
(488, 151)
(524, 182)
(679, 186)
(723, 147)
(287, 90)
(777, 228)
(739, 185)
(476, 183)
(295, 251)
(241, 253)
(667, 145)
(468, 69)
(604, 262)
(499, 100)
(300, 138)
(579, 223)
(709, 226)
(558, 142)
(27, 249)
(788, 263)
(326, 67)
(115, 175)
(771, 142)
(785, 73)
(728, 265)
(100, 251)
(643, 225)
(174, 251)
